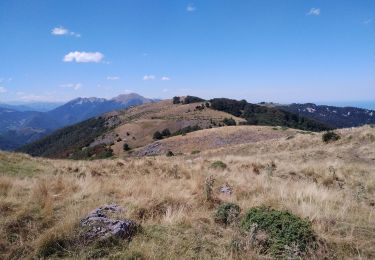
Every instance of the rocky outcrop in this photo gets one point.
(98, 225)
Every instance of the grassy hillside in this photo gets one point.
(328, 186)
(135, 128)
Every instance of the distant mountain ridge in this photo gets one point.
(336, 117)
(21, 127)
(34, 106)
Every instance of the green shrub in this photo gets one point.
(170, 154)
(218, 165)
(284, 229)
(195, 152)
(126, 147)
(188, 129)
(227, 213)
(192, 99)
(176, 100)
(166, 132)
(229, 121)
(157, 136)
(330, 137)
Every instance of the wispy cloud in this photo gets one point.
(191, 8)
(3, 90)
(22, 96)
(368, 21)
(4, 80)
(148, 77)
(78, 56)
(74, 86)
(164, 78)
(113, 78)
(59, 31)
(314, 11)
(165, 90)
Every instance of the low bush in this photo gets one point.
(157, 136)
(166, 132)
(176, 100)
(330, 137)
(170, 154)
(163, 134)
(188, 129)
(227, 213)
(284, 230)
(229, 121)
(192, 99)
(218, 165)
(126, 147)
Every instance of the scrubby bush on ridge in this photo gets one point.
(330, 137)
(227, 213)
(284, 229)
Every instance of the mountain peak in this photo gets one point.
(79, 101)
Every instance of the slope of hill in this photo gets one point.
(207, 139)
(336, 117)
(21, 127)
(263, 115)
(175, 199)
(136, 127)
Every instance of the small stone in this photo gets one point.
(226, 189)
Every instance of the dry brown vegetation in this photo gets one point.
(332, 185)
(138, 124)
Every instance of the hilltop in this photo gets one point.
(140, 126)
(174, 199)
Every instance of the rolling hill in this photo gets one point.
(136, 127)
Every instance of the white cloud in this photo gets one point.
(148, 77)
(191, 8)
(3, 90)
(164, 78)
(74, 86)
(31, 97)
(78, 56)
(63, 31)
(3, 80)
(368, 21)
(113, 78)
(314, 11)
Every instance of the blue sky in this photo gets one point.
(263, 50)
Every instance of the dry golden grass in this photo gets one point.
(333, 185)
(215, 138)
(138, 124)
